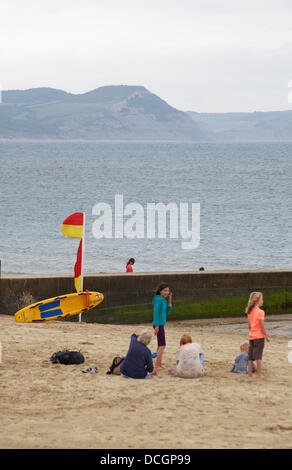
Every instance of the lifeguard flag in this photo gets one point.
(77, 269)
(73, 225)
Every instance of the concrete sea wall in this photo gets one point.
(128, 296)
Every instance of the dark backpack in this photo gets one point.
(115, 367)
(67, 357)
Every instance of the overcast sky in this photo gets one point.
(200, 55)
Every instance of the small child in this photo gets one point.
(240, 365)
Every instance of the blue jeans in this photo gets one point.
(147, 376)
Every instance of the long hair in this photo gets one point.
(253, 299)
(131, 260)
(159, 288)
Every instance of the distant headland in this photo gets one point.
(123, 112)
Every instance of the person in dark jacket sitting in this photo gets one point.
(138, 363)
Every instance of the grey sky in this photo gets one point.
(200, 55)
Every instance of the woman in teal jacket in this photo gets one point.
(161, 308)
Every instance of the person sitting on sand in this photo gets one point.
(189, 358)
(138, 362)
(240, 365)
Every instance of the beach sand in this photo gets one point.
(45, 405)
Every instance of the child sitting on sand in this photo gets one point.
(240, 365)
(189, 358)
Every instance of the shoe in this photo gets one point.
(92, 370)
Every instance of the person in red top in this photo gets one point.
(257, 331)
(129, 265)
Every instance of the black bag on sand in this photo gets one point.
(115, 367)
(67, 357)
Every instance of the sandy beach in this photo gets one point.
(44, 405)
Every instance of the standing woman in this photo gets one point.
(129, 265)
(162, 308)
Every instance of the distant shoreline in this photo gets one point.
(118, 113)
(105, 141)
(141, 273)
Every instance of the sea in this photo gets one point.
(241, 192)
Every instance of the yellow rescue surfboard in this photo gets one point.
(62, 306)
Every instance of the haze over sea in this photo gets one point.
(244, 191)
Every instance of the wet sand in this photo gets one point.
(44, 405)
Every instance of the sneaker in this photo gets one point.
(92, 370)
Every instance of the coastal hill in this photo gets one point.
(106, 113)
(125, 112)
(253, 126)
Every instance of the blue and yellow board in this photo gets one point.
(62, 306)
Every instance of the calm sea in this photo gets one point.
(244, 191)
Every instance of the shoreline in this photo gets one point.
(143, 273)
(143, 141)
(277, 325)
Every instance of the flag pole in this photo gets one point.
(82, 258)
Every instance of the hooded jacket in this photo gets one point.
(161, 310)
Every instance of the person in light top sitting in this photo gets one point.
(189, 358)
(240, 365)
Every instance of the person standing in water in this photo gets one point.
(161, 308)
(257, 331)
(129, 265)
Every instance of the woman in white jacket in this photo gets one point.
(189, 359)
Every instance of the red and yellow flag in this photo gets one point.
(73, 225)
(78, 269)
